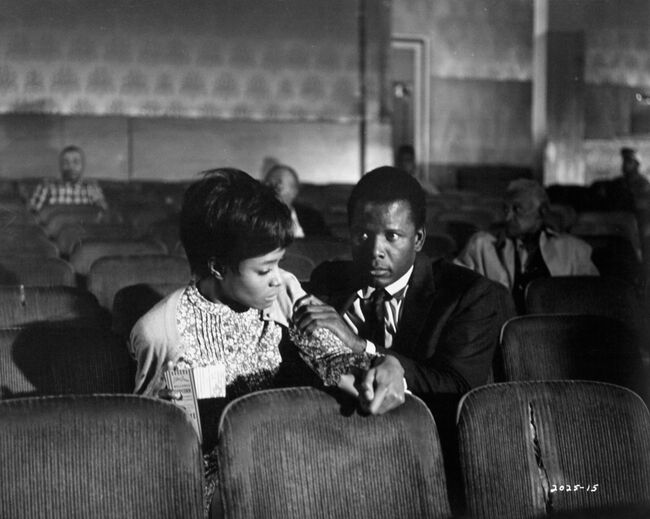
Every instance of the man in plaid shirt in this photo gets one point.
(71, 189)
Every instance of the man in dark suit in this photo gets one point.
(440, 321)
(436, 322)
(307, 221)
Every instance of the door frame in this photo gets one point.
(421, 47)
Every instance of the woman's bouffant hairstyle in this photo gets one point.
(388, 184)
(228, 217)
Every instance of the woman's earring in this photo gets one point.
(215, 272)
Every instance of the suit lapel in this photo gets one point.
(417, 305)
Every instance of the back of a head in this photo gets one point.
(631, 160)
(405, 150)
(284, 181)
(629, 153)
(385, 185)
(279, 168)
(228, 216)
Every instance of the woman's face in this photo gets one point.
(257, 282)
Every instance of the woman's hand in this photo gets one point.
(166, 393)
(310, 313)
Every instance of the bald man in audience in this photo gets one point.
(306, 220)
(71, 188)
(526, 248)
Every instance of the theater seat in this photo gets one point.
(439, 245)
(45, 359)
(320, 249)
(300, 452)
(55, 217)
(299, 265)
(569, 346)
(594, 295)
(36, 271)
(98, 456)
(90, 251)
(109, 274)
(560, 448)
(73, 234)
(27, 305)
(22, 246)
(614, 256)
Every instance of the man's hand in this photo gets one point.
(382, 386)
(311, 313)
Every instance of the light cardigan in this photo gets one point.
(493, 256)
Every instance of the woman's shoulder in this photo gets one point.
(158, 318)
(291, 291)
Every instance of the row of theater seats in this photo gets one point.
(80, 244)
(62, 342)
(572, 449)
(577, 328)
(145, 215)
(79, 354)
(56, 342)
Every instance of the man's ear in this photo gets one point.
(420, 236)
(217, 270)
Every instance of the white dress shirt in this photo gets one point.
(392, 310)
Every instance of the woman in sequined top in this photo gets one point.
(238, 308)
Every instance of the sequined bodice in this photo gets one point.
(243, 341)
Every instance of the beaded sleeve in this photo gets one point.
(328, 356)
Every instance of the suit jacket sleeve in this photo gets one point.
(464, 352)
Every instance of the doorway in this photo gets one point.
(408, 79)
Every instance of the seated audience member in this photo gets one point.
(239, 307)
(237, 313)
(438, 322)
(526, 248)
(621, 193)
(405, 160)
(306, 220)
(71, 189)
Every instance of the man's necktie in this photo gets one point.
(375, 317)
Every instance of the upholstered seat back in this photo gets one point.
(568, 346)
(43, 360)
(98, 456)
(24, 305)
(296, 453)
(532, 449)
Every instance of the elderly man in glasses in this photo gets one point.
(526, 248)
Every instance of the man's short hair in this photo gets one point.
(527, 185)
(71, 147)
(228, 217)
(405, 149)
(283, 167)
(388, 184)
